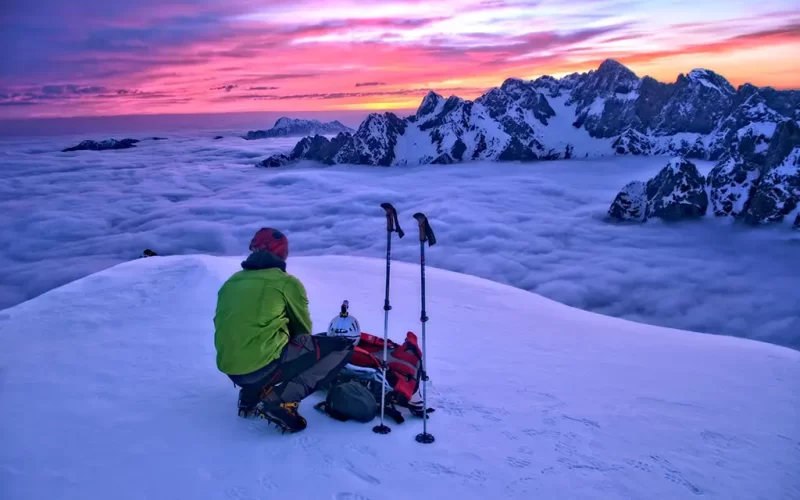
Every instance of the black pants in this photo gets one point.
(305, 364)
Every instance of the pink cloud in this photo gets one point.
(188, 56)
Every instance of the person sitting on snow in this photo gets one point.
(263, 336)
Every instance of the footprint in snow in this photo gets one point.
(349, 496)
(477, 476)
(526, 450)
(363, 449)
(434, 468)
(235, 493)
(267, 483)
(510, 435)
(637, 464)
(584, 421)
(519, 463)
(674, 475)
(718, 440)
(523, 486)
(352, 469)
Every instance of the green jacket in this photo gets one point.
(258, 309)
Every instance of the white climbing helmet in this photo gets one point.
(345, 325)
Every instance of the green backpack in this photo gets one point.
(349, 401)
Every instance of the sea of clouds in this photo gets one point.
(537, 226)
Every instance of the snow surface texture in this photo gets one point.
(109, 389)
(540, 227)
(603, 112)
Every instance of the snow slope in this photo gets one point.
(108, 389)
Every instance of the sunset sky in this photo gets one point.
(102, 57)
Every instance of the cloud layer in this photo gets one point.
(537, 226)
(175, 56)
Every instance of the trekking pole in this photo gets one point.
(425, 234)
(392, 225)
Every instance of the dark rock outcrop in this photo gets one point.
(778, 190)
(273, 161)
(632, 142)
(630, 203)
(677, 192)
(89, 145)
(698, 101)
(374, 142)
(731, 183)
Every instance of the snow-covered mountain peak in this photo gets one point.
(431, 104)
(286, 122)
(612, 78)
(711, 80)
(285, 127)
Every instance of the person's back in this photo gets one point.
(263, 336)
(258, 309)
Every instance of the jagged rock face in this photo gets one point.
(517, 107)
(630, 203)
(677, 192)
(278, 160)
(443, 159)
(687, 148)
(632, 142)
(286, 127)
(319, 148)
(526, 98)
(653, 96)
(447, 127)
(605, 100)
(777, 193)
(374, 142)
(748, 129)
(698, 102)
(89, 145)
(316, 148)
(431, 104)
(785, 139)
(731, 182)
(610, 78)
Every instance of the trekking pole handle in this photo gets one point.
(392, 223)
(425, 231)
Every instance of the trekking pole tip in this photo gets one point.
(381, 429)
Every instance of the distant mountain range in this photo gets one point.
(603, 112)
(752, 132)
(287, 127)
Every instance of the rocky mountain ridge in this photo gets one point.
(608, 111)
(287, 127)
(755, 193)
